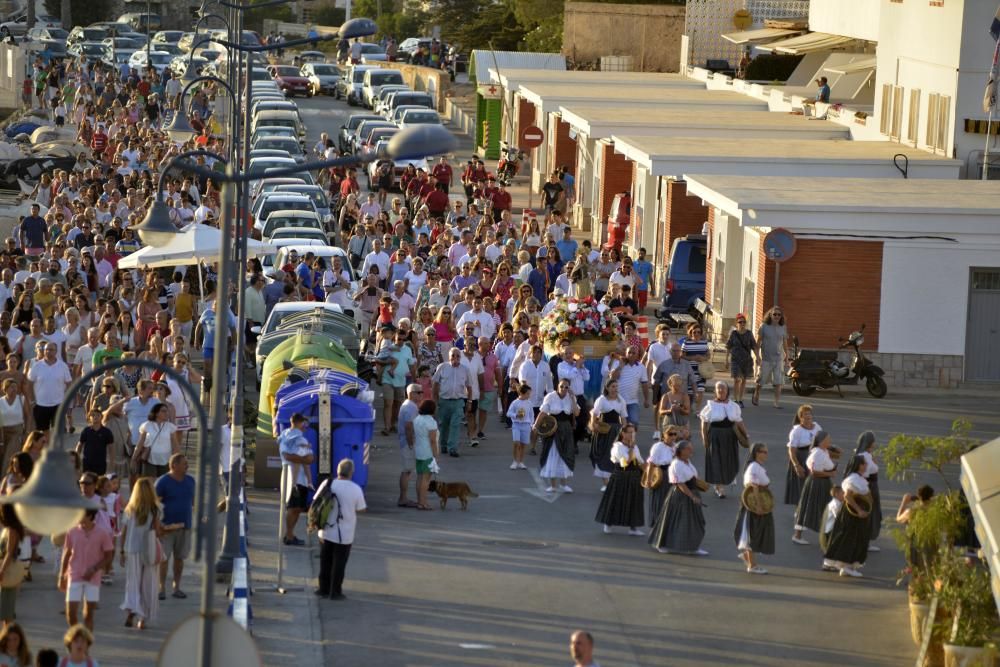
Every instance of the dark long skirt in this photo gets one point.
(563, 441)
(580, 430)
(876, 516)
(794, 483)
(722, 458)
(658, 496)
(600, 445)
(815, 496)
(760, 531)
(849, 539)
(621, 503)
(681, 524)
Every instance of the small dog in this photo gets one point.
(446, 490)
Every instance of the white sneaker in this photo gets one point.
(551, 489)
(565, 488)
(829, 566)
(636, 531)
(513, 466)
(756, 569)
(663, 550)
(799, 540)
(873, 548)
(607, 528)
(849, 572)
(521, 466)
(604, 488)
(699, 552)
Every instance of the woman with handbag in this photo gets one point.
(140, 553)
(742, 350)
(158, 441)
(755, 531)
(15, 552)
(660, 457)
(722, 430)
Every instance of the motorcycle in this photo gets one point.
(821, 369)
(509, 164)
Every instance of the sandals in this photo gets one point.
(425, 508)
(130, 620)
(409, 503)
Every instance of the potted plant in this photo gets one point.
(962, 584)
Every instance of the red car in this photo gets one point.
(289, 78)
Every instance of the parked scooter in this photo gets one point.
(509, 164)
(820, 369)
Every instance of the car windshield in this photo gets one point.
(283, 221)
(325, 70)
(382, 78)
(93, 35)
(92, 49)
(160, 58)
(287, 71)
(421, 117)
(283, 205)
(57, 33)
(359, 76)
(371, 48)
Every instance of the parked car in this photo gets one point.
(312, 57)
(412, 117)
(167, 36)
(290, 80)
(160, 60)
(180, 64)
(283, 218)
(410, 98)
(298, 234)
(383, 96)
(92, 52)
(323, 78)
(364, 129)
(372, 53)
(18, 27)
(118, 43)
(116, 57)
(288, 145)
(374, 79)
(316, 194)
(37, 33)
(350, 85)
(141, 21)
(685, 278)
(345, 138)
(87, 34)
(398, 166)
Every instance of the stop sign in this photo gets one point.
(531, 137)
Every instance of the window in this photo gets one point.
(718, 284)
(897, 113)
(938, 117)
(696, 259)
(913, 122)
(885, 118)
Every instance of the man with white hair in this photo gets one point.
(337, 532)
(407, 439)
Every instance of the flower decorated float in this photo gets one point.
(591, 328)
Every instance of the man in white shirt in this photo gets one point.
(371, 207)
(657, 353)
(624, 275)
(571, 368)
(83, 363)
(632, 378)
(337, 283)
(337, 534)
(49, 379)
(12, 334)
(493, 249)
(481, 320)
(405, 303)
(103, 266)
(472, 360)
(377, 258)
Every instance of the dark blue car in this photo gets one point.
(685, 280)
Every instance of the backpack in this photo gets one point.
(323, 505)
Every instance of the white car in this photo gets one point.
(374, 80)
(323, 78)
(160, 60)
(285, 218)
(414, 117)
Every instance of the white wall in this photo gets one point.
(852, 18)
(931, 319)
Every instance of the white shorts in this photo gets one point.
(78, 591)
(773, 371)
(521, 432)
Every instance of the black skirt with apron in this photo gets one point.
(794, 483)
(600, 444)
(681, 524)
(622, 502)
(815, 497)
(760, 530)
(563, 441)
(658, 496)
(722, 457)
(848, 542)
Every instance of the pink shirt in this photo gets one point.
(442, 334)
(490, 363)
(89, 549)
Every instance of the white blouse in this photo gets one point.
(621, 454)
(755, 474)
(661, 454)
(681, 471)
(555, 404)
(801, 436)
(715, 411)
(604, 404)
(856, 483)
(871, 468)
(819, 459)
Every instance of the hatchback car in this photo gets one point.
(323, 78)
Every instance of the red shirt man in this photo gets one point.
(442, 172)
(501, 200)
(350, 184)
(436, 200)
(99, 142)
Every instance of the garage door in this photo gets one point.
(982, 349)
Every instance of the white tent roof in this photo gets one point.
(855, 67)
(193, 244)
(759, 35)
(813, 41)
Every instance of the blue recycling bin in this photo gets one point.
(352, 423)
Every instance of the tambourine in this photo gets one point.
(757, 500)
(547, 425)
(865, 501)
(701, 485)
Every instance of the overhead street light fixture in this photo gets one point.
(360, 27)
(50, 502)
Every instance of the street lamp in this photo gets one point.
(50, 502)
(180, 129)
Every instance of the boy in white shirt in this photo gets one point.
(521, 415)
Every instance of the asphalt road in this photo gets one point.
(507, 581)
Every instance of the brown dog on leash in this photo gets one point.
(446, 490)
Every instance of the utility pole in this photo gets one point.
(31, 14)
(66, 14)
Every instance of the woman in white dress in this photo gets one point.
(138, 554)
(621, 504)
(849, 539)
(816, 490)
(606, 419)
(755, 532)
(721, 421)
(661, 454)
(680, 528)
(800, 439)
(559, 450)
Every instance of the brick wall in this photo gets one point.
(710, 259)
(683, 215)
(565, 152)
(616, 177)
(828, 289)
(525, 116)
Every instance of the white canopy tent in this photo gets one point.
(192, 245)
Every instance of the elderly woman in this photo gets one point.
(721, 426)
(680, 527)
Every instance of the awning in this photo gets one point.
(808, 43)
(759, 36)
(857, 66)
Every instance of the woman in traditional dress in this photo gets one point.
(721, 420)
(662, 454)
(559, 450)
(606, 419)
(621, 504)
(848, 545)
(680, 528)
(866, 444)
(800, 439)
(755, 532)
(816, 490)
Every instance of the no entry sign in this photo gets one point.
(531, 137)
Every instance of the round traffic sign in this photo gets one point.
(531, 137)
(779, 244)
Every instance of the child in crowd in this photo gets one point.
(521, 415)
